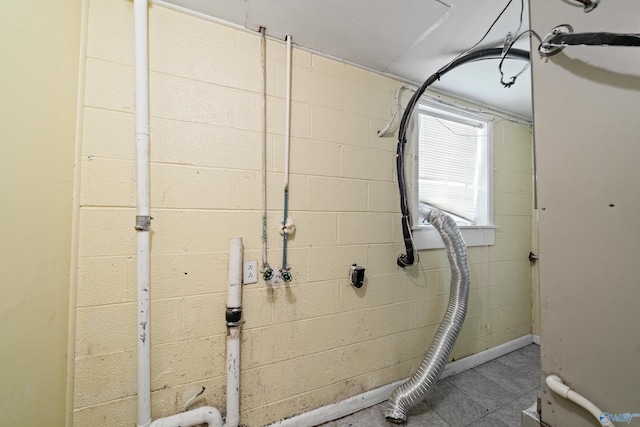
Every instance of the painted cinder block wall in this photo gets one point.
(317, 340)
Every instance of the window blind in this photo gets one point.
(448, 165)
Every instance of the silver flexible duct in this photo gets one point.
(410, 393)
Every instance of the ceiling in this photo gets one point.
(410, 39)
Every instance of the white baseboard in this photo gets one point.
(340, 409)
(474, 360)
(373, 397)
(536, 339)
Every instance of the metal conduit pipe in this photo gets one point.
(410, 393)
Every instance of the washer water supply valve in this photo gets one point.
(286, 275)
(356, 278)
(267, 273)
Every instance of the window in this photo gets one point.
(452, 171)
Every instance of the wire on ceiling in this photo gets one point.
(505, 52)
(467, 56)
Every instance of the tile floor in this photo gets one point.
(490, 395)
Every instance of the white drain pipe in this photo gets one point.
(234, 322)
(558, 386)
(143, 218)
(207, 414)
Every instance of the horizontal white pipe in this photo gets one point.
(556, 384)
(204, 414)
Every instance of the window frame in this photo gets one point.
(483, 233)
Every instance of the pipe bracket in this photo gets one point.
(233, 316)
(143, 223)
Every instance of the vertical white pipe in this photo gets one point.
(142, 213)
(263, 96)
(207, 414)
(144, 354)
(234, 294)
(234, 321)
(284, 271)
(233, 378)
(287, 129)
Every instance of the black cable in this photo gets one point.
(495, 21)
(492, 53)
(593, 39)
(409, 257)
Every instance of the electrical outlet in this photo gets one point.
(250, 274)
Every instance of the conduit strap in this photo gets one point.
(233, 316)
(143, 222)
(592, 39)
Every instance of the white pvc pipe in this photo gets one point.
(287, 136)
(558, 386)
(284, 271)
(234, 301)
(142, 203)
(234, 290)
(233, 378)
(263, 116)
(210, 415)
(205, 414)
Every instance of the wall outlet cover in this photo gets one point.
(250, 273)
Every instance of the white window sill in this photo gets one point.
(427, 237)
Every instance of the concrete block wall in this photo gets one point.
(311, 343)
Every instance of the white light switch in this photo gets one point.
(250, 274)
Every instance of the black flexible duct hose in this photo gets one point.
(491, 53)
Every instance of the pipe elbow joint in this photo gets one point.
(556, 384)
(405, 260)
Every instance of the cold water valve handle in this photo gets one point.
(286, 275)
